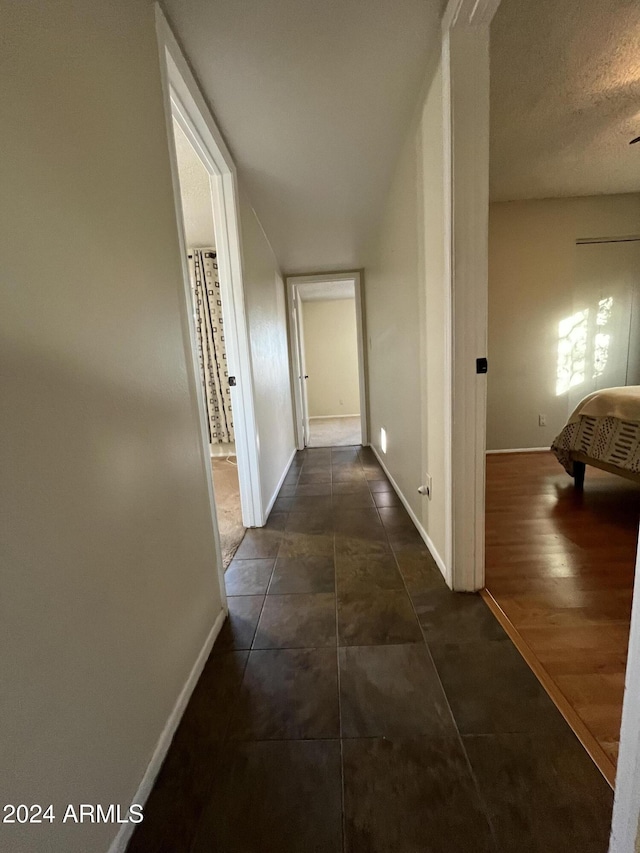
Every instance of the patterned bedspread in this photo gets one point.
(607, 439)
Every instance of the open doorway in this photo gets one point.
(208, 316)
(327, 357)
(564, 302)
(206, 196)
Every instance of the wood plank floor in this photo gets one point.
(560, 565)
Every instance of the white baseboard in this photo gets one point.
(121, 840)
(423, 533)
(332, 417)
(279, 486)
(520, 450)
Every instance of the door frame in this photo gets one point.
(465, 61)
(465, 53)
(184, 102)
(293, 301)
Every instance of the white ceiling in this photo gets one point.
(565, 98)
(321, 291)
(195, 193)
(314, 98)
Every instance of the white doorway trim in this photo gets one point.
(296, 356)
(465, 58)
(185, 104)
(466, 102)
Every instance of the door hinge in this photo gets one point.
(482, 365)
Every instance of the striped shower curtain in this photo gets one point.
(212, 352)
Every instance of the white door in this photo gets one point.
(301, 365)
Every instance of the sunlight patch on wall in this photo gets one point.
(602, 340)
(573, 333)
(583, 346)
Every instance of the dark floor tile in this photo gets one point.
(315, 477)
(543, 793)
(353, 487)
(248, 577)
(311, 503)
(420, 572)
(395, 518)
(357, 546)
(282, 504)
(276, 521)
(259, 542)
(406, 539)
(315, 454)
(178, 798)
(391, 691)
(491, 689)
(313, 490)
(345, 454)
(306, 545)
(376, 618)
(310, 521)
(459, 617)
(373, 472)
(289, 694)
(346, 466)
(380, 485)
(287, 491)
(367, 573)
(278, 797)
(297, 622)
(240, 625)
(358, 523)
(303, 574)
(411, 796)
(345, 474)
(386, 499)
(357, 500)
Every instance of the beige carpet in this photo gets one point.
(334, 432)
(227, 489)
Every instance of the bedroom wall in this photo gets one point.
(331, 357)
(532, 277)
(405, 310)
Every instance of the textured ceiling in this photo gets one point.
(314, 98)
(565, 98)
(317, 291)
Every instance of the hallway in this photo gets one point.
(353, 703)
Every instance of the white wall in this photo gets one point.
(331, 357)
(405, 307)
(195, 191)
(533, 284)
(108, 576)
(266, 315)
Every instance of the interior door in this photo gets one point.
(301, 366)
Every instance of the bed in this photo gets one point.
(603, 431)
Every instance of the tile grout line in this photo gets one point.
(335, 578)
(472, 775)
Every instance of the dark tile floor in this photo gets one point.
(352, 703)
